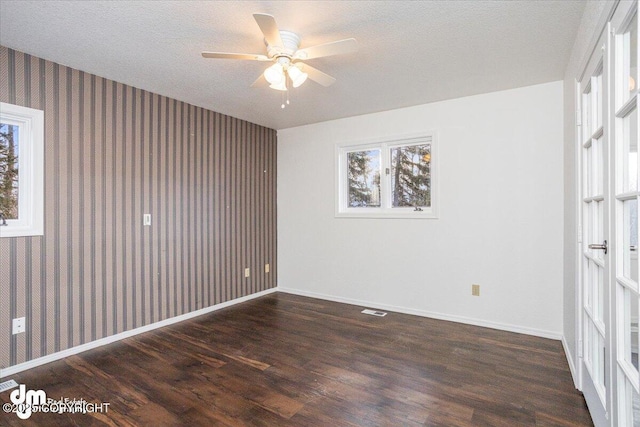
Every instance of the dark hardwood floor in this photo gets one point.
(285, 360)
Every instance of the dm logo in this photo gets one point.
(26, 400)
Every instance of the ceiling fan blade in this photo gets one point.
(224, 55)
(334, 48)
(269, 28)
(260, 81)
(317, 75)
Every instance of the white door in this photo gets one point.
(596, 328)
(609, 183)
(624, 120)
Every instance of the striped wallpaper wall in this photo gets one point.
(112, 154)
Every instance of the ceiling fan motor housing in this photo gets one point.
(290, 41)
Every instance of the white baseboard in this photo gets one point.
(572, 365)
(431, 314)
(11, 370)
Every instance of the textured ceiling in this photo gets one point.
(410, 52)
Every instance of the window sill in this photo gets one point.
(389, 215)
(20, 231)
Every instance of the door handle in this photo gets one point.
(603, 246)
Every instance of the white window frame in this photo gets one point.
(386, 210)
(30, 170)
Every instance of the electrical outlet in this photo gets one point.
(146, 219)
(247, 272)
(18, 325)
(475, 290)
(267, 268)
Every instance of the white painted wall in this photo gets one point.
(593, 18)
(501, 215)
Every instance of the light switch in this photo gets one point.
(18, 325)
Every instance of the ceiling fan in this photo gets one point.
(283, 50)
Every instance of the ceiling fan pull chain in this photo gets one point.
(286, 85)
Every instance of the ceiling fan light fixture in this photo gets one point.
(296, 75)
(279, 86)
(275, 74)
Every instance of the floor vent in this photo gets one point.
(374, 312)
(8, 385)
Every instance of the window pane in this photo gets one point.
(587, 345)
(635, 404)
(630, 327)
(588, 289)
(630, 152)
(600, 357)
(9, 170)
(597, 82)
(411, 176)
(588, 171)
(597, 149)
(629, 62)
(630, 239)
(586, 115)
(598, 230)
(598, 293)
(629, 401)
(364, 178)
